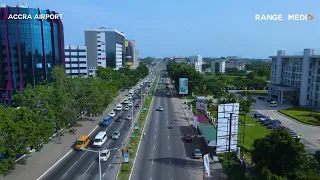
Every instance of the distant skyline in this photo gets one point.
(187, 27)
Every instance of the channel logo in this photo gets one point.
(310, 17)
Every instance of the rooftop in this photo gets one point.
(209, 132)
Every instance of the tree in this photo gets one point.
(281, 154)
(317, 117)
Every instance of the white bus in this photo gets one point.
(100, 139)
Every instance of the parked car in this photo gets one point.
(273, 126)
(197, 153)
(257, 115)
(261, 98)
(267, 122)
(262, 118)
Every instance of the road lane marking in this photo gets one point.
(105, 174)
(120, 125)
(155, 136)
(156, 121)
(168, 137)
(83, 154)
(88, 168)
(167, 122)
(154, 147)
(71, 150)
(70, 168)
(109, 165)
(169, 147)
(170, 161)
(150, 178)
(152, 161)
(155, 129)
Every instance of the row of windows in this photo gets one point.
(76, 62)
(75, 50)
(76, 74)
(68, 68)
(75, 56)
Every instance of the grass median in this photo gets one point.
(304, 115)
(132, 145)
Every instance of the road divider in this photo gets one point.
(133, 144)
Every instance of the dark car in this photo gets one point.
(257, 115)
(261, 98)
(187, 138)
(137, 105)
(276, 122)
(273, 126)
(267, 122)
(119, 119)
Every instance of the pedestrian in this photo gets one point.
(122, 151)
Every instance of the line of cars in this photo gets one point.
(275, 124)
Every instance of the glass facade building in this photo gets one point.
(30, 48)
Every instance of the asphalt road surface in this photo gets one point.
(162, 154)
(83, 165)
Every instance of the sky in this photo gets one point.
(211, 28)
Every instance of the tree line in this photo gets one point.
(42, 110)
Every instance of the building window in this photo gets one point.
(39, 65)
(99, 45)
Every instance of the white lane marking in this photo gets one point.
(167, 122)
(155, 136)
(114, 156)
(150, 178)
(120, 126)
(168, 137)
(155, 129)
(109, 165)
(63, 156)
(154, 147)
(171, 179)
(152, 161)
(156, 122)
(88, 168)
(105, 174)
(170, 161)
(83, 154)
(169, 147)
(70, 168)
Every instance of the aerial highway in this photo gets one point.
(163, 154)
(84, 165)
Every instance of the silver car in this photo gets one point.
(116, 135)
(160, 108)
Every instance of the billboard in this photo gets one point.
(201, 106)
(227, 112)
(183, 85)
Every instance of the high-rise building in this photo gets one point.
(131, 54)
(295, 78)
(196, 62)
(218, 66)
(76, 60)
(105, 47)
(29, 49)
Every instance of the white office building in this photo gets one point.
(76, 60)
(218, 67)
(196, 62)
(296, 78)
(105, 48)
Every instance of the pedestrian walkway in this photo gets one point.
(35, 164)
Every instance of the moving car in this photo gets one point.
(105, 154)
(116, 135)
(119, 119)
(129, 117)
(130, 103)
(187, 138)
(168, 94)
(261, 98)
(112, 114)
(197, 153)
(100, 139)
(118, 107)
(160, 108)
(82, 142)
(137, 105)
(126, 108)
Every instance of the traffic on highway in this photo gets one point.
(108, 138)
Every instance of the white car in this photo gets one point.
(116, 135)
(118, 108)
(125, 101)
(105, 154)
(126, 108)
(112, 114)
(160, 108)
(130, 103)
(262, 119)
(168, 94)
(129, 117)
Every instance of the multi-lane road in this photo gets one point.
(163, 155)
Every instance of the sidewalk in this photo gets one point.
(35, 164)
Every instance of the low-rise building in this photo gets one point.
(76, 60)
(296, 78)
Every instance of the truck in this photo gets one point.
(106, 121)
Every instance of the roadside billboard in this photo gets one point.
(201, 106)
(227, 112)
(183, 85)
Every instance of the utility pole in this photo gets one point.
(229, 148)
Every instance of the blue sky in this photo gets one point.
(188, 27)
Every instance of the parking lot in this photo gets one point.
(310, 135)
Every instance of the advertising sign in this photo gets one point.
(195, 122)
(183, 85)
(201, 106)
(126, 157)
(228, 115)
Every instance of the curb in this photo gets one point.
(299, 122)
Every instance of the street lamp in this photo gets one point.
(84, 149)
